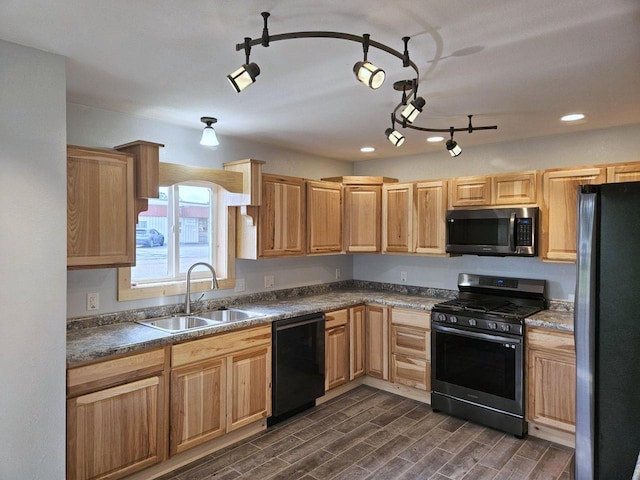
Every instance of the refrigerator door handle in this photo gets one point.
(584, 334)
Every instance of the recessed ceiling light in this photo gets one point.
(572, 117)
(367, 149)
(435, 139)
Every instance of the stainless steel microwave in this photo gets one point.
(497, 231)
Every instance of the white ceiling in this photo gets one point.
(520, 64)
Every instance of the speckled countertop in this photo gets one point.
(108, 336)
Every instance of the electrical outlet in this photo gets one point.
(93, 301)
(337, 274)
(403, 277)
(239, 285)
(268, 281)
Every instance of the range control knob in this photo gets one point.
(441, 317)
(472, 322)
(492, 325)
(453, 319)
(504, 327)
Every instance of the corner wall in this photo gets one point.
(33, 263)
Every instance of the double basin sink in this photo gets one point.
(184, 323)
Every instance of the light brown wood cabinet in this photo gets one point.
(282, 226)
(397, 217)
(411, 348)
(623, 173)
(377, 341)
(219, 384)
(324, 217)
(363, 205)
(100, 208)
(470, 191)
(514, 189)
(357, 341)
(430, 217)
(551, 383)
(336, 348)
(116, 416)
(560, 210)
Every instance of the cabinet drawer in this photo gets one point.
(543, 339)
(112, 372)
(336, 318)
(412, 318)
(410, 371)
(411, 341)
(210, 347)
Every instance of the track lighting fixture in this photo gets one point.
(209, 138)
(247, 73)
(393, 135)
(365, 72)
(452, 146)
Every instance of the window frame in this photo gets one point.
(225, 234)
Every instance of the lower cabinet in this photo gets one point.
(116, 416)
(336, 349)
(551, 383)
(377, 341)
(219, 384)
(411, 348)
(357, 319)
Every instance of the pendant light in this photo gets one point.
(453, 147)
(366, 72)
(209, 137)
(393, 135)
(247, 73)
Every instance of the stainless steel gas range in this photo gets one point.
(477, 350)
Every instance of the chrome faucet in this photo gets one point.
(214, 284)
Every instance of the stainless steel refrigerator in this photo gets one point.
(607, 331)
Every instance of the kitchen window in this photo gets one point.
(188, 223)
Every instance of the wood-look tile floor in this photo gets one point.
(370, 434)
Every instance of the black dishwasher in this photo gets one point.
(298, 365)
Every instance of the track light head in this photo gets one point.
(244, 76)
(454, 148)
(394, 136)
(209, 138)
(369, 74)
(411, 111)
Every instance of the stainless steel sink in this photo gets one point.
(183, 323)
(228, 316)
(179, 323)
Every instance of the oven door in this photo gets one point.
(479, 368)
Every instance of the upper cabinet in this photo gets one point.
(430, 217)
(623, 173)
(397, 217)
(324, 217)
(486, 190)
(282, 226)
(100, 208)
(560, 210)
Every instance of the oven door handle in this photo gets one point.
(481, 336)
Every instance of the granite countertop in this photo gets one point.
(99, 342)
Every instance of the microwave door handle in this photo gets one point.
(512, 231)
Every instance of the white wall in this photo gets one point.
(574, 149)
(32, 264)
(93, 127)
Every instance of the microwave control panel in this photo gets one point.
(524, 232)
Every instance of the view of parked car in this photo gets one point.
(148, 237)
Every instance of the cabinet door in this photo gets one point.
(377, 335)
(324, 217)
(198, 404)
(411, 371)
(248, 387)
(114, 432)
(397, 217)
(470, 191)
(282, 216)
(362, 218)
(430, 217)
(336, 356)
(100, 208)
(560, 210)
(356, 341)
(624, 173)
(514, 188)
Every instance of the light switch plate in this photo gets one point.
(268, 281)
